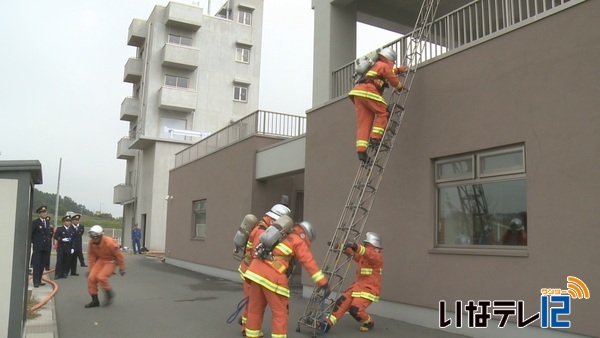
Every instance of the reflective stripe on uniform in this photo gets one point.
(267, 284)
(332, 319)
(286, 250)
(317, 276)
(378, 130)
(361, 250)
(366, 271)
(278, 335)
(368, 95)
(252, 333)
(365, 295)
(362, 143)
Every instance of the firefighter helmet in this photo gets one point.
(277, 211)
(516, 224)
(388, 53)
(96, 231)
(309, 230)
(373, 239)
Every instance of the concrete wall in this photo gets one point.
(536, 85)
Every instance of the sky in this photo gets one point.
(63, 65)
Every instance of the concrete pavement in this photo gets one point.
(155, 299)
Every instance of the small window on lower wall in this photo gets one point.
(199, 218)
(482, 211)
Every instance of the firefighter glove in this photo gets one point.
(326, 290)
(351, 245)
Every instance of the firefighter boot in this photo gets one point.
(324, 326)
(260, 334)
(109, 297)
(363, 157)
(93, 303)
(367, 326)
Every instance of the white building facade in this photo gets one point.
(192, 74)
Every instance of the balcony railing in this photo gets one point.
(466, 26)
(257, 123)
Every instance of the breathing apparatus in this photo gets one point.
(241, 236)
(363, 64)
(273, 235)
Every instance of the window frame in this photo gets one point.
(243, 88)
(245, 17)
(177, 81)
(195, 214)
(477, 178)
(245, 54)
(179, 40)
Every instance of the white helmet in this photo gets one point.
(309, 230)
(388, 53)
(278, 210)
(373, 239)
(96, 231)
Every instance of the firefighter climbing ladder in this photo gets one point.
(367, 180)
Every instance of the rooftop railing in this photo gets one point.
(258, 123)
(468, 25)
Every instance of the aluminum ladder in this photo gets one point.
(368, 178)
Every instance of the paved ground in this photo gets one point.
(155, 299)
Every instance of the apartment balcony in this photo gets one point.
(133, 70)
(182, 57)
(130, 109)
(123, 194)
(138, 30)
(123, 149)
(184, 16)
(179, 99)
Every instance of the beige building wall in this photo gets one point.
(225, 179)
(535, 86)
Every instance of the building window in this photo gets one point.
(180, 40)
(245, 17)
(242, 54)
(176, 81)
(240, 93)
(478, 197)
(199, 226)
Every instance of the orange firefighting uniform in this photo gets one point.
(102, 259)
(248, 257)
(364, 290)
(371, 113)
(269, 282)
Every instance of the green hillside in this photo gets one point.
(66, 204)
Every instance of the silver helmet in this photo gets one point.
(277, 211)
(96, 231)
(389, 54)
(516, 224)
(373, 239)
(309, 230)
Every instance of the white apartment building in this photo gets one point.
(191, 74)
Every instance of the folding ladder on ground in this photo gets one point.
(368, 178)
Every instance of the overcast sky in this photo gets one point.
(61, 96)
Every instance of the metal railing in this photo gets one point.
(470, 24)
(258, 123)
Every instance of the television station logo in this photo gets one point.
(555, 305)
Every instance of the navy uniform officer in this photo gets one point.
(63, 236)
(42, 244)
(77, 255)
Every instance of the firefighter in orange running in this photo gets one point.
(367, 287)
(103, 254)
(371, 113)
(271, 216)
(269, 276)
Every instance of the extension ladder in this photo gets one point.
(366, 183)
